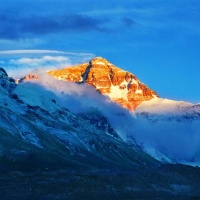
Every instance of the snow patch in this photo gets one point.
(35, 95)
(99, 62)
(163, 106)
(133, 81)
(157, 155)
(32, 138)
(117, 93)
(138, 91)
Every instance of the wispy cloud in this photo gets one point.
(16, 27)
(13, 52)
(128, 21)
(19, 63)
(37, 61)
(155, 17)
(10, 52)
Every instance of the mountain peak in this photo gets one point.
(6, 82)
(3, 72)
(120, 86)
(30, 77)
(99, 61)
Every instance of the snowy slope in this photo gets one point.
(170, 128)
(35, 95)
(153, 123)
(164, 107)
(88, 125)
(35, 122)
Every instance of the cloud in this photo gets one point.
(178, 140)
(39, 61)
(72, 17)
(80, 98)
(175, 139)
(154, 17)
(34, 52)
(19, 63)
(27, 51)
(128, 22)
(19, 27)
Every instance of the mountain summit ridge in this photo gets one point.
(120, 86)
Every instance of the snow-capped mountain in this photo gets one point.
(172, 128)
(157, 120)
(29, 77)
(61, 132)
(152, 121)
(35, 126)
(120, 86)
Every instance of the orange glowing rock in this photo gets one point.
(120, 86)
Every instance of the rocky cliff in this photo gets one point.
(120, 86)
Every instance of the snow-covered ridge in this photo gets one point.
(165, 106)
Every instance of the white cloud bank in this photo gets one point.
(19, 63)
(179, 140)
(36, 61)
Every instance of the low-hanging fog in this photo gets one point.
(178, 140)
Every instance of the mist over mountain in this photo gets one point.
(120, 86)
(93, 119)
(167, 126)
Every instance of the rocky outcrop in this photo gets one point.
(120, 86)
(6, 82)
(30, 77)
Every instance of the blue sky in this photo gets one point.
(157, 40)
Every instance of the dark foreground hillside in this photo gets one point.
(163, 182)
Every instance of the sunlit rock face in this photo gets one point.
(30, 77)
(120, 86)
